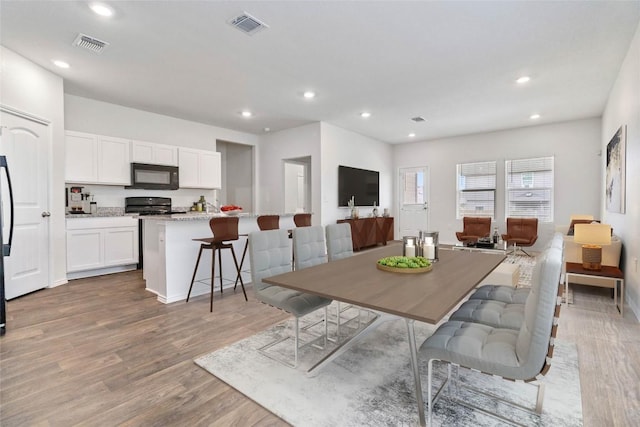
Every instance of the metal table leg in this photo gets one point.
(416, 371)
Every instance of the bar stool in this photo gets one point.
(302, 220)
(268, 222)
(225, 231)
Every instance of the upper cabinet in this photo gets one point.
(152, 153)
(96, 159)
(199, 168)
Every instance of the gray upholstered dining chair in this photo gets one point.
(270, 255)
(308, 247)
(339, 241)
(500, 306)
(523, 354)
(339, 246)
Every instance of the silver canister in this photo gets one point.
(430, 245)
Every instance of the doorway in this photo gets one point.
(414, 200)
(237, 175)
(297, 185)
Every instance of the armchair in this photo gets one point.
(474, 228)
(521, 232)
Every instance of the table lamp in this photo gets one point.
(592, 237)
(581, 216)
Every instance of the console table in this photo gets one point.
(370, 231)
(614, 274)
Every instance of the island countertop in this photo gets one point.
(199, 216)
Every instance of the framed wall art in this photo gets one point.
(616, 171)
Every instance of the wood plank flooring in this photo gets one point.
(103, 351)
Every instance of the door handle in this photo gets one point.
(46, 214)
(6, 248)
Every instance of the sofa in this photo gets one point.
(573, 253)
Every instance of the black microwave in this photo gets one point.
(154, 177)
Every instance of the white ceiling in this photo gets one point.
(454, 63)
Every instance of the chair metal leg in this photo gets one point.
(295, 350)
(540, 398)
(244, 253)
(235, 261)
(193, 278)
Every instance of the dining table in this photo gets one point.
(425, 297)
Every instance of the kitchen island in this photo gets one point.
(170, 254)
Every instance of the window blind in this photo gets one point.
(529, 188)
(476, 189)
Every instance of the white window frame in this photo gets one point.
(486, 172)
(532, 178)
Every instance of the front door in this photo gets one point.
(26, 144)
(414, 201)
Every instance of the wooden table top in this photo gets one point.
(426, 297)
(606, 271)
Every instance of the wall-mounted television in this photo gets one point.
(362, 184)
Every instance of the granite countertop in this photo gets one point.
(198, 216)
(99, 215)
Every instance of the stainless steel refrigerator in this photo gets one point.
(6, 247)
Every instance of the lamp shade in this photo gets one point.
(592, 234)
(581, 216)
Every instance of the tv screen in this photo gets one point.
(362, 184)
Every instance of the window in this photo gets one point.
(413, 191)
(529, 188)
(476, 189)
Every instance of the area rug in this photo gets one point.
(371, 384)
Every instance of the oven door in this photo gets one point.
(154, 177)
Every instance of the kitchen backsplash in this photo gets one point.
(112, 197)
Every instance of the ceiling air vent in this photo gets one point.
(418, 119)
(90, 43)
(248, 24)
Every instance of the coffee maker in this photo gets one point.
(76, 200)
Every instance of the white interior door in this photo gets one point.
(414, 201)
(26, 145)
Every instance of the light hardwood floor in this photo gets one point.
(103, 351)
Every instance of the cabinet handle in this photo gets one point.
(45, 214)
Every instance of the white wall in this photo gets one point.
(343, 147)
(29, 88)
(273, 150)
(623, 108)
(88, 115)
(575, 145)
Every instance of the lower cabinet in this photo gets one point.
(94, 245)
(370, 231)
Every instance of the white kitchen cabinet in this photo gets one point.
(81, 157)
(96, 244)
(97, 159)
(152, 153)
(199, 168)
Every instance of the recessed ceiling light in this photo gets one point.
(523, 79)
(246, 114)
(534, 116)
(267, 129)
(60, 64)
(411, 135)
(101, 9)
(365, 115)
(309, 94)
